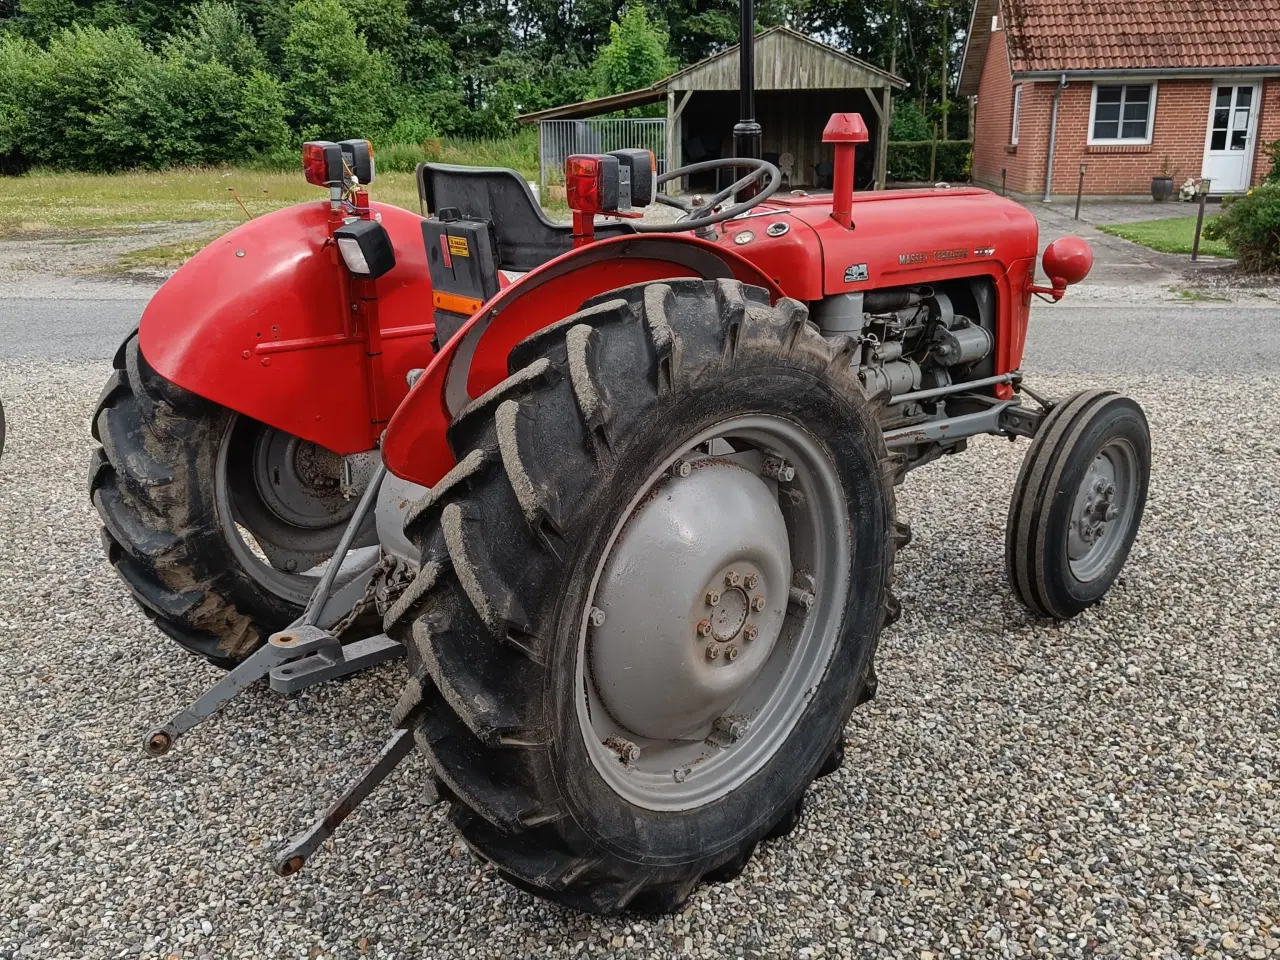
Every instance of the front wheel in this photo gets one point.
(1078, 502)
(650, 594)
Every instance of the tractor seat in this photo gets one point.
(525, 237)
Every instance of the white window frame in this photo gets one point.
(1151, 113)
(1017, 115)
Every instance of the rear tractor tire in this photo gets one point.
(1078, 503)
(650, 594)
(177, 482)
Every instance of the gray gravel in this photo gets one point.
(1107, 787)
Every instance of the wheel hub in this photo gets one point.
(683, 635)
(1102, 510)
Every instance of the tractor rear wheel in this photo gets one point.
(650, 594)
(213, 520)
(1078, 502)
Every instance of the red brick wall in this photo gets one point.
(995, 111)
(1268, 126)
(1182, 115)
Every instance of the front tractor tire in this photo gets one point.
(650, 593)
(1078, 503)
(178, 481)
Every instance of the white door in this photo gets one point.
(1233, 125)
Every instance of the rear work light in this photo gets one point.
(366, 249)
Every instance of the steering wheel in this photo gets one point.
(757, 170)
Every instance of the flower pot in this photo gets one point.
(1161, 188)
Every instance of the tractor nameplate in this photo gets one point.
(905, 259)
(856, 273)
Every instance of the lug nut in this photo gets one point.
(680, 775)
(732, 578)
(726, 728)
(1112, 512)
(627, 751)
(750, 631)
(731, 653)
(597, 617)
(681, 468)
(801, 598)
(757, 603)
(750, 581)
(713, 652)
(713, 597)
(704, 628)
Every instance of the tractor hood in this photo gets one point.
(898, 237)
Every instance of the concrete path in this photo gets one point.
(1117, 262)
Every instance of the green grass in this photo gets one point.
(1172, 235)
(44, 201)
(48, 201)
(1196, 296)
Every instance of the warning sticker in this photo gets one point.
(458, 247)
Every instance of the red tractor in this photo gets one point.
(622, 492)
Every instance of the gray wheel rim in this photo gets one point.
(1103, 510)
(294, 587)
(699, 766)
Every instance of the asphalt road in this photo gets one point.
(77, 328)
(1066, 338)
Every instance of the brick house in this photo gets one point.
(1133, 89)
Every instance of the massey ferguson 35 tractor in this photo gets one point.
(621, 492)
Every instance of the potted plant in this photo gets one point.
(1162, 186)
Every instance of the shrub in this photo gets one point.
(335, 88)
(1251, 224)
(635, 56)
(908, 161)
(908, 122)
(75, 81)
(218, 31)
(19, 60)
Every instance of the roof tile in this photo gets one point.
(1142, 34)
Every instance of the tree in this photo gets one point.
(335, 87)
(218, 32)
(635, 56)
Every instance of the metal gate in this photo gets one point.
(557, 139)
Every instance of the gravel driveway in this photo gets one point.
(1106, 787)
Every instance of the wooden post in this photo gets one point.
(1203, 189)
(882, 140)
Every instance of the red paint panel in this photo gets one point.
(415, 447)
(793, 261)
(261, 321)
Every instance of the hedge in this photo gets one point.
(908, 160)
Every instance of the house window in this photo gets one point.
(1122, 113)
(1017, 115)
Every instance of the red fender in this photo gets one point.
(264, 322)
(475, 359)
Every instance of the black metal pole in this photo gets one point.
(1080, 189)
(746, 133)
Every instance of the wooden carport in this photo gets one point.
(800, 82)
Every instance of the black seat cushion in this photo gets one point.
(526, 238)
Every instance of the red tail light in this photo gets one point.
(322, 162)
(582, 184)
(591, 183)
